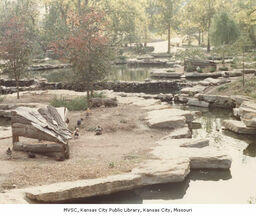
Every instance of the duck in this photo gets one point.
(9, 153)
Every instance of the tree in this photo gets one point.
(86, 47)
(168, 16)
(15, 43)
(224, 32)
(240, 47)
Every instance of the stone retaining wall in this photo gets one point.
(154, 87)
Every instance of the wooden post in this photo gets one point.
(15, 139)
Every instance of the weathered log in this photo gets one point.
(38, 148)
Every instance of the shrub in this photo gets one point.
(223, 68)
(212, 69)
(199, 70)
(222, 88)
(1, 99)
(76, 104)
(190, 68)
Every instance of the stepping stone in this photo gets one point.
(179, 133)
(197, 103)
(238, 127)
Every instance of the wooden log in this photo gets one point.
(38, 148)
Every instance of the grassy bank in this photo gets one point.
(75, 104)
(237, 88)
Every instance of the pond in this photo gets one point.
(118, 73)
(236, 185)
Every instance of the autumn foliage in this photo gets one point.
(15, 47)
(85, 46)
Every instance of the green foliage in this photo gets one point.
(222, 88)
(223, 68)
(212, 69)
(237, 88)
(111, 165)
(76, 104)
(1, 99)
(192, 53)
(224, 30)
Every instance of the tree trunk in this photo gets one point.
(92, 93)
(169, 38)
(223, 56)
(208, 42)
(146, 36)
(202, 37)
(199, 38)
(88, 97)
(18, 89)
(243, 70)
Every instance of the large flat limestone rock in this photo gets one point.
(163, 171)
(13, 197)
(169, 118)
(206, 157)
(84, 188)
(238, 127)
(149, 173)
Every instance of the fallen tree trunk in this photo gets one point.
(38, 148)
(55, 150)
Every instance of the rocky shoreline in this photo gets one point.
(173, 158)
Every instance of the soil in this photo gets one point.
(125, 142)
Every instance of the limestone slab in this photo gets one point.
(238, 127)
(84, 188)
(205, 157)
(179, 133)
(197, 103)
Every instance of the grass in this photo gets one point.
(236, 87)
(75, 104)
(1, 99)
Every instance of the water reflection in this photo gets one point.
(124, 73)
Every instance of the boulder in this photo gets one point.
(198, 103)
(238, 127)
(181, 98)
(193, 90)
(239, 99)
(250, 122)
(218, 101)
